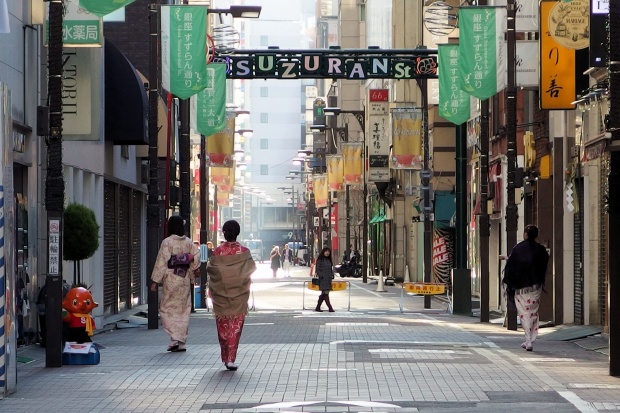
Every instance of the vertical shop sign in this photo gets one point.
(103, 7)
(321, 195)
(378, 136)
(335, 172)
(557, 66)
(220, 146)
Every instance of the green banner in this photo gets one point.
(208, 107)
(482, 50)
(103, 7)
(183, 49)
(453, 102)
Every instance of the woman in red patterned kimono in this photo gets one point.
(230, 269)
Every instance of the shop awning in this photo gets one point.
(126, 103)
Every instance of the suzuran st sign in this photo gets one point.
(331, 64)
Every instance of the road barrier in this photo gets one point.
(422, 288)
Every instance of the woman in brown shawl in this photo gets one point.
(229, 271)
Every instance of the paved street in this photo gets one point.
(371, 358)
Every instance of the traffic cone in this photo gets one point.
(407, 278)
(380, 288)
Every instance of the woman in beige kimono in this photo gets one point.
(230, 268)
(177, 259)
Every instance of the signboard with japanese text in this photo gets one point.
(79, 27)
(53, 247)
(183, 49)
(482, 50)
(208, 107)
(557, 66)
(453, 102)
(378, 136)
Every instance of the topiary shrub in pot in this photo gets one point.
(80, 236)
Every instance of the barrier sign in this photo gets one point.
(425, 288)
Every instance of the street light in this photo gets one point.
(360, 116)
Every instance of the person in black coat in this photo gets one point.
(524, 277)
(324, 269)
(274, 257)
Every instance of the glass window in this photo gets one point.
(264, 118)
(264, 40)
(264, 169)
(264, 92)
(264, 143)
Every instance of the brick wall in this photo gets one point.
(132, 36)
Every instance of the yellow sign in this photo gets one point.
(557, 66)
(569, 23)
(335, 172)
(336, 286)
(425, 288)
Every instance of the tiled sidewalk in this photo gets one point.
(372, 358)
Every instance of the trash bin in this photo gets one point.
(197, 296)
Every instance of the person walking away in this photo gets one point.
(287, 258)
(275, 260)
(524, 277)
(176, 262)
(230, 269)
(324, 269)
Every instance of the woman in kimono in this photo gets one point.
(524, 277)
(177, 259)
(230, 269)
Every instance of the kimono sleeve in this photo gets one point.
(196, 261)
(161, 263)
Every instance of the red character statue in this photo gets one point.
(77, 305)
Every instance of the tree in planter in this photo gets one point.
(80, 236)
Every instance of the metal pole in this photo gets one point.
(185, 207)
(511, 144)
(215, 223)
(204, 220)
(152, 213)
(483, 221)
(426, 192)
(54, 185)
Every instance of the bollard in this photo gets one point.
(380, 287)
(407, 278)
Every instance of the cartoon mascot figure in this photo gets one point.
(77, 305)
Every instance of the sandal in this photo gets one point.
(174, 347)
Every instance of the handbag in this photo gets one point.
(315, 281)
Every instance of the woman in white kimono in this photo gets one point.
(177, 259)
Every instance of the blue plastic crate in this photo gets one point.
(91, 358)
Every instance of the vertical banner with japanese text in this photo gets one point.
(321, 193)
(557, 66)
(335, 172)
(453, 102)
(378, 136)
(352, 156)
(103, 7)
(482, 50)
(208, 107)
(183, 49)
(220, 146)
(407, 133)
